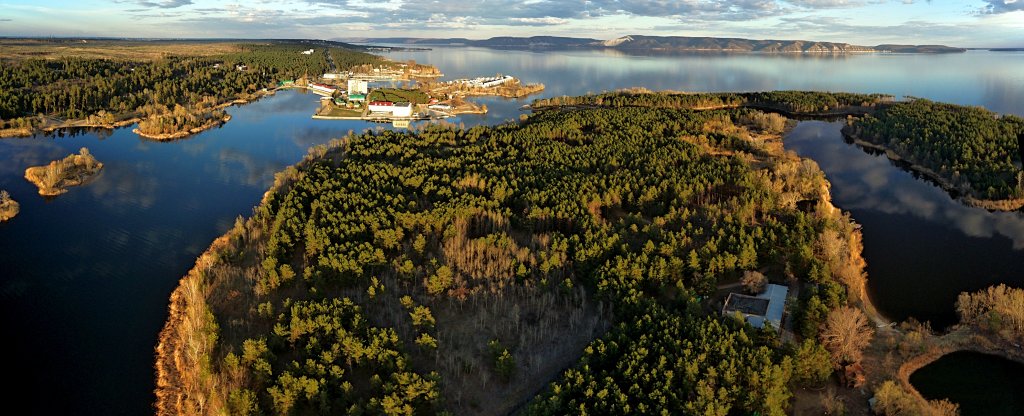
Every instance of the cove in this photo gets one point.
(982, 384)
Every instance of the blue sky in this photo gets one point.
(972, 23)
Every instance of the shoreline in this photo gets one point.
(81, 124)
(963, 194)
(178, 350)
(960, 338)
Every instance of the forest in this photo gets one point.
(36, 93)
(975, 149)
(792, 102)
(460, 271)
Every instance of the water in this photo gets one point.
(85, 277)
(922, 247)
(966, 378)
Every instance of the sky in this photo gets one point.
(965, 23)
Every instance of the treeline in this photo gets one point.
(448, 249)
(673, 363)
(975, 149)
(33, 92)
(794, 102)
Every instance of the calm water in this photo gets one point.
(85, 277)
(966, 377)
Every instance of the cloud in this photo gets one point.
(1002, 6)
(539, 21)
(6, 20)
(163, 4)
(828, 4)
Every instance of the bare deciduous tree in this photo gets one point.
(846, 334)
(753, 281)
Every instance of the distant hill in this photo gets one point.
(662, 43)
(919, 49)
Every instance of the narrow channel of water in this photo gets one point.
(983, 385)
(922, 246)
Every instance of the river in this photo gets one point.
(85, 277)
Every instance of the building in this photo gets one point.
(485, 82)
(391, 109)
(322, 88)
(440, 107)
(356, 97)
(309, 52)
(769, 306)
(358, 86)
(333, 76)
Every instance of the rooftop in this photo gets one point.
(768, 306)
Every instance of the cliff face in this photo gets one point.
(682, 43)
(668, 43)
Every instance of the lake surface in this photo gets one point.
(85, 277)
(966, 378)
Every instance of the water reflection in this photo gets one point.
(918, 239)
(871, 183)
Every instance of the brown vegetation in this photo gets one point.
(182, 122)
(54, 178)
(846, 334)
(8, 206)
(998, 309)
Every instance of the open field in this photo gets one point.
(133, 50)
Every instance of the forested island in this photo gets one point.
(968, 150)
(54, 179)
(462, 270)
(170, 94)
(8, 206)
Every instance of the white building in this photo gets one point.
(358, 86)
(485, 82)
(322, 89)
(332, 76)
(390, 108)
(309, 52)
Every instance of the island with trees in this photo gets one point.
(464, 270)
(8, 206)
(54, 178)
(968, 150)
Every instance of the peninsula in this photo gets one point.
(463, 270)
(969, 151)
(54, 179)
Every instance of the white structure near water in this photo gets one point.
(767, 307)
(485, 82)
(358, 86)
(387, 108)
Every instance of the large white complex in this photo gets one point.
(390, 108)
(358, 86)
(485, 82)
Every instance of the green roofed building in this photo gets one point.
(357, 97)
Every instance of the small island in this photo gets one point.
(180, 122)
(54, 179)
(8, 206)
